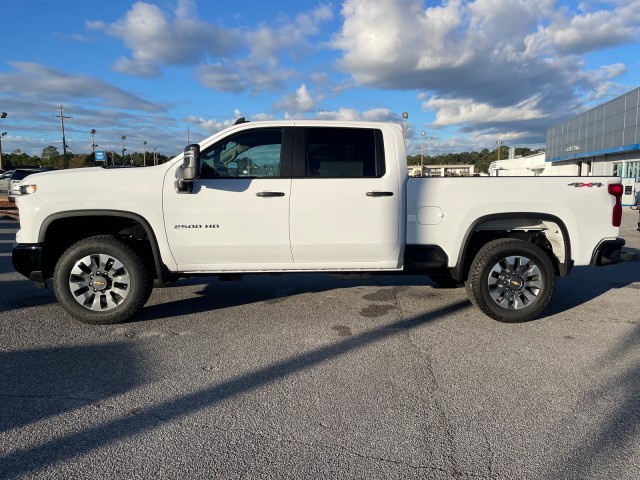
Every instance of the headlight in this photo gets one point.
(28, 189)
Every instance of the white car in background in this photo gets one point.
(4, 181)
(14, 181)
(636, 206)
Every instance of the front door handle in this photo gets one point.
(379, 194)
(270, 194)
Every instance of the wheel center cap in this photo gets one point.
(100, 283)
(516, 283)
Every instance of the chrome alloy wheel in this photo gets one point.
(514, 282)
(99, 282)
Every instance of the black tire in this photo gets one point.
(511, 280)
(101, 280)
(444, 280)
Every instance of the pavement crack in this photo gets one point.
(448, 471)
(47, 396)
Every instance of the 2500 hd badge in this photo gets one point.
(210, 225)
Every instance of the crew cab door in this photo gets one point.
(238, 212)
(345, 203)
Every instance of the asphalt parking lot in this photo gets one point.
(312, 376)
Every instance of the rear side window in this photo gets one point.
(344, 152)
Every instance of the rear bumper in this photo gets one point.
(607, 253)
(28, 260)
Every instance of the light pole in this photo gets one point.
(122, 139)
(2, 115)
(422, 156)
(144, 153)
(499, 143)
(93, 145)
(405, 115)
(1, 135)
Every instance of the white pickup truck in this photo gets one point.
(307, 196)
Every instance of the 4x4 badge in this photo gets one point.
(580, 185)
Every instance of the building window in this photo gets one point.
(633, 170)
(617, 169)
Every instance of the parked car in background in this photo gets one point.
(15, 179)
(636, 206)
(4, 181)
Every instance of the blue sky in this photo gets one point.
(467, 72)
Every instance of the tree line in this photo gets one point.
(481, 160)
(52, 158)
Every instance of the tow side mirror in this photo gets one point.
(189, 170)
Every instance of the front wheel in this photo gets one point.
(101, 280)
(511, 280)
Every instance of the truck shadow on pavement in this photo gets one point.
(218, 295)
(583, 285)
(42, 383)
(66, 446)
(593, 455)
(586, 283)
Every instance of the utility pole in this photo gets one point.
(2, 115)
(144, 153)
(122, 139)
(65, 163)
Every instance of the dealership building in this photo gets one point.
(602, 141)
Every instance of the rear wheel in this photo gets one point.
(101, 280)
(511, 280)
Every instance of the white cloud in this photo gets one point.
(291, 36)
(225, 59)
(155, 39)
(596, 30)
(299, 101)
(485, 63)
(213, 125)
(210, 125)
(349, 114)
(39, 81)
(241, 76)
(460, 111)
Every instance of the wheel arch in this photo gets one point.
(519, 225)
(60, 230)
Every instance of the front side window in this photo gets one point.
(343, 152)
(250, 154)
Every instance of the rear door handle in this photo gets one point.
(270, 194)
(379, 194)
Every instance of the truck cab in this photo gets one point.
(302, 197)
